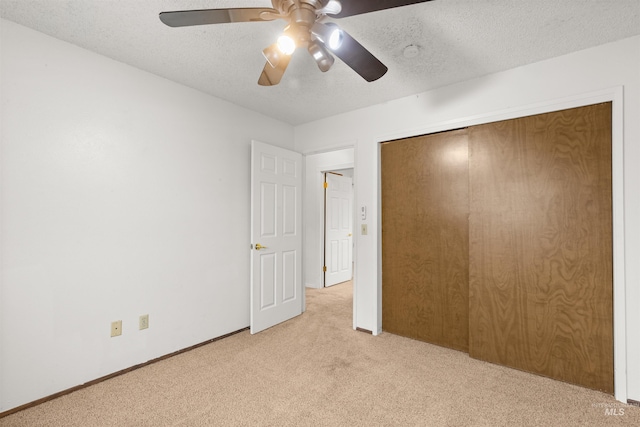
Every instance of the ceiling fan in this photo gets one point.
(306, 28)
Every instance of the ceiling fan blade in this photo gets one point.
(271, 76)
(357, 7)
(358, 57)
(185, 18)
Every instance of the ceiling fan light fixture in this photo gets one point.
(322, 57)
(329, 34)
(333, 7)
(286, 44)
(335, 39)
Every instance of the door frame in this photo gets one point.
(313, 195)
(615, 95)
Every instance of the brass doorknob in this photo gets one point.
(259, 246)
(349, 235)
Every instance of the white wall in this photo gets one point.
(313, 211)
(122, 194)
(544, 83)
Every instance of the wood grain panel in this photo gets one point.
(540, 266)
(425, 208)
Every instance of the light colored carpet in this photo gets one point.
(315, 370)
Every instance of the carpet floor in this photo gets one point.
(315, 370)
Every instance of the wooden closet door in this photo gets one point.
(425, 208)
(540, 257)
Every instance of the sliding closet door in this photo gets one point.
(540, 257)
(425, 207)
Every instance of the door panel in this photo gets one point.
(289, 201)
(425, 252)
(276, 274)
(289, 260)
(267, 209)
(540, 256)
(267, 280)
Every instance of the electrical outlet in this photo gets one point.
(143, 322)
(116, 328)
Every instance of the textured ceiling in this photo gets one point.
(457, 39)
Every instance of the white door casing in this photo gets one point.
(276, 235)
(338, 229)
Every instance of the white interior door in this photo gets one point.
(338, 247)
(276, 235)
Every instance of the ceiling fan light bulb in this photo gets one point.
(325, 63)
(335, 39)
(333, 7)
(286, 44)
(321, 56)
(329, 34)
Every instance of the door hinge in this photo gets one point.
(326, 184)
(324, 268)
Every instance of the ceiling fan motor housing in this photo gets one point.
(285, 6)
(302, 14)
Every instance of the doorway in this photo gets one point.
(338, 226)
(316, 164)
